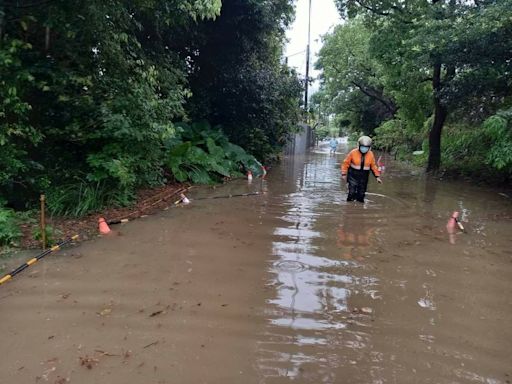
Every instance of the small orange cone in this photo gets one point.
(249, 175)
(184, 199)
(451, 225)
(103, 226)
(380, 165)
(453, 222)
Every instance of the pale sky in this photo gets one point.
(324, 16)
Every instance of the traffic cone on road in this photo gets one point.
(454, 223)
(451, 225)
(184, 199)
(380, 165)
(103, 226)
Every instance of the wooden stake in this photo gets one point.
(43, 222)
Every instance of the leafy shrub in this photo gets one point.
(354, 136)
(50, 234)
(498, 129)
(204, 155)
(394, 135)
(484, 151)
(9, 229)
(196, 152)
(322, 132)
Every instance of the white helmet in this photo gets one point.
(365, 141)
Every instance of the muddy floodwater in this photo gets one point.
(291, 285)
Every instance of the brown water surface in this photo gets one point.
(293, 285)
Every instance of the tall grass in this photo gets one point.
(81, 198)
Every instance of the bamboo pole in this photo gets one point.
(24, 266)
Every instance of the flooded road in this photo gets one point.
(292, 285)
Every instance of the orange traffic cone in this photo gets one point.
(380, 165)
(103, 226)
(184, 199)
(453, 223)
(249, 175)
(451, 227)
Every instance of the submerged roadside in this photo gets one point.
(59, 228)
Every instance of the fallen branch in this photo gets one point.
(151, 344)
(229, 196)
(140, 211)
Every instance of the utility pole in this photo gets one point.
(307, 64)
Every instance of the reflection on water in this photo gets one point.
(312, 279)
(375, 292)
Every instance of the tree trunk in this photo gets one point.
(440, 114)
(434, 140)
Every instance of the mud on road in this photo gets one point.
(293, 284)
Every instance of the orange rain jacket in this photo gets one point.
(353, 160)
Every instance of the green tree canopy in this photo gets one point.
(460, 51)
(237, 78)
(91, 90)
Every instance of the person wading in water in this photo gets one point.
(356, 167)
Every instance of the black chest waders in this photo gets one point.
(357, 182)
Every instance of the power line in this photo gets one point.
(297, 53)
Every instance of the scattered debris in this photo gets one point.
(88, 362)
(151, 344)
(156, 313)
(46, 373)
(52, 360)
(363, 310)
(127, 354)
(103, 353)
(105, 312)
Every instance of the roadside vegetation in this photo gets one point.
(432, 76)
(99, 99)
